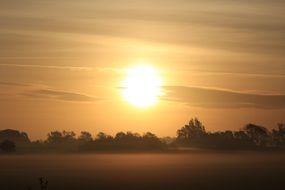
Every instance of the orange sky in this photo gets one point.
(62, 64)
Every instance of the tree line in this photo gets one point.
(192, 135)
(251, 136)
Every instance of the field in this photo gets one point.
(145, 171)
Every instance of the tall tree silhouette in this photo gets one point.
(192, 133)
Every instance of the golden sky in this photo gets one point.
(62, 63)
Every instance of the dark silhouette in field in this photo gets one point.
(43, 183)
(192, 135)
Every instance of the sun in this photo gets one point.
(142, 86)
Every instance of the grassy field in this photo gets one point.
(145, 171)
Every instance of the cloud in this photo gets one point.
(237, 74)
(12, 84)
(60, 95)
(220, 98)
(247, 26)
(46, 66)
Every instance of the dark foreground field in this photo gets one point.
(145, 171)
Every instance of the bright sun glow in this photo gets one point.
(141, 86)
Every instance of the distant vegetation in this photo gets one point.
(192, 135)
(251, 136)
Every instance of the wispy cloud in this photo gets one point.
(12, 83)
(237, 74)
(46, 66)
(60, 95)
(255, 26)
(219, 98)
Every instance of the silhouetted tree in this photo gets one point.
(193, 133)
(278, 135)
(85, 137)
(128, 140)
(54, 137)
(14, 135)
(257, 134)
(8, 146)
(151, 141)
(120, 136)
(127, 137)
(150, 136)
(69, 136)
(61, 137)
(243, 140)
(103, 137)
(222, 140)
(241, 135)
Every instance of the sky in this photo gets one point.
(62, 64)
